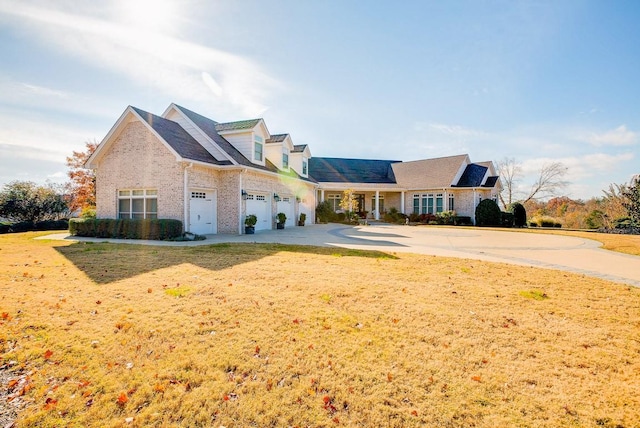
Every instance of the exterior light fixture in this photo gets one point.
(276, 197)
(243, 194)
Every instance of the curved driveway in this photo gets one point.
(567, 253)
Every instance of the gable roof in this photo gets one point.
(179, 139)
(338, 170)
(299, 148)
(429, 173)
(277, 138)
(237, 126)
(209, 127)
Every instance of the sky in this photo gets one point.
(537, 81)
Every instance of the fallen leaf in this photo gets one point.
(50, 403)
(98, 302)
(389, 377)
(158, 387)
(414, 413)
(149, 290)
(476, 378)
(48, 354)
(122, 399)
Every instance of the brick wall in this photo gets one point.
(138, 160)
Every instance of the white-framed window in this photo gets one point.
(451, 202)
(439, 203)
(334, 199)
(138, 203)
(305, 167)
(380, 203)
(286, 199)
(198, 195)
(261, 198)
(258, 148)
(424, 203)
(285, 160)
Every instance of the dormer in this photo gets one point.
(278, 149)
(299, 159)
(248, 136)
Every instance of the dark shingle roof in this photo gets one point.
(491, 181)
(179, 139)
(299, 148)
(235, 126)
(472, 176)
(338, 170)
(209, 127)
(277, 138)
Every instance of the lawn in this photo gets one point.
(271, 335)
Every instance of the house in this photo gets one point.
(211, 175)
(427, 186)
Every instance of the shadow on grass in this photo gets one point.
(106, 262)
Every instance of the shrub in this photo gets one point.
(544, 222)
(507, 219)
(488, 213)
(325, 213)
(446, 217)
(519, 214)
(26, 226)
(394, 216)
(462, 221)
(155, 229)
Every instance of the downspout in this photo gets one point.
(186, 195)
(240, 202)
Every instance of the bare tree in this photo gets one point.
(509, 171)
(549, 182)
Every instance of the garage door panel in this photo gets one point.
(260, 206)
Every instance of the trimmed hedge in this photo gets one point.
(488, 213)
(27, 226)
(156, 229)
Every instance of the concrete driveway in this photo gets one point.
(571, 254)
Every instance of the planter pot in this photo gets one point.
(301, 223)
(249, 230)
(279, 225)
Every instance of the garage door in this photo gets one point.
(259, 205)
(202, 212)
(286, 205)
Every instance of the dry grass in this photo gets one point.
(269, 335)
(629, 244)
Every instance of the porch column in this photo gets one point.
(402, 202)
(377, 205)
(322, 195)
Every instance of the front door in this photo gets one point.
(202, 212)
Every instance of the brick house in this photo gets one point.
(211, 175)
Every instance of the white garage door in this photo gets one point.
(202, 212)
(259, 205)
(286, 205)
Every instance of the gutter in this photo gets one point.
(186, 194)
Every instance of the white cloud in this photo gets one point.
(167, 63)
(619, 136)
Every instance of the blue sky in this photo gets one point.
(537, 81)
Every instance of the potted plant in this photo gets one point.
(250, 224)
(281, 219)
(303, 217)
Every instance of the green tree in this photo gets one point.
(25, 201)
(349, 204)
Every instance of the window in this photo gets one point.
(257, 148)
(380, 203)
(138, 203)
(285, 161)
(439, 203)
(334, 199)
(451, 204)
(423, 204)
(304, 167)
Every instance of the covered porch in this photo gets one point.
(372, 202)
